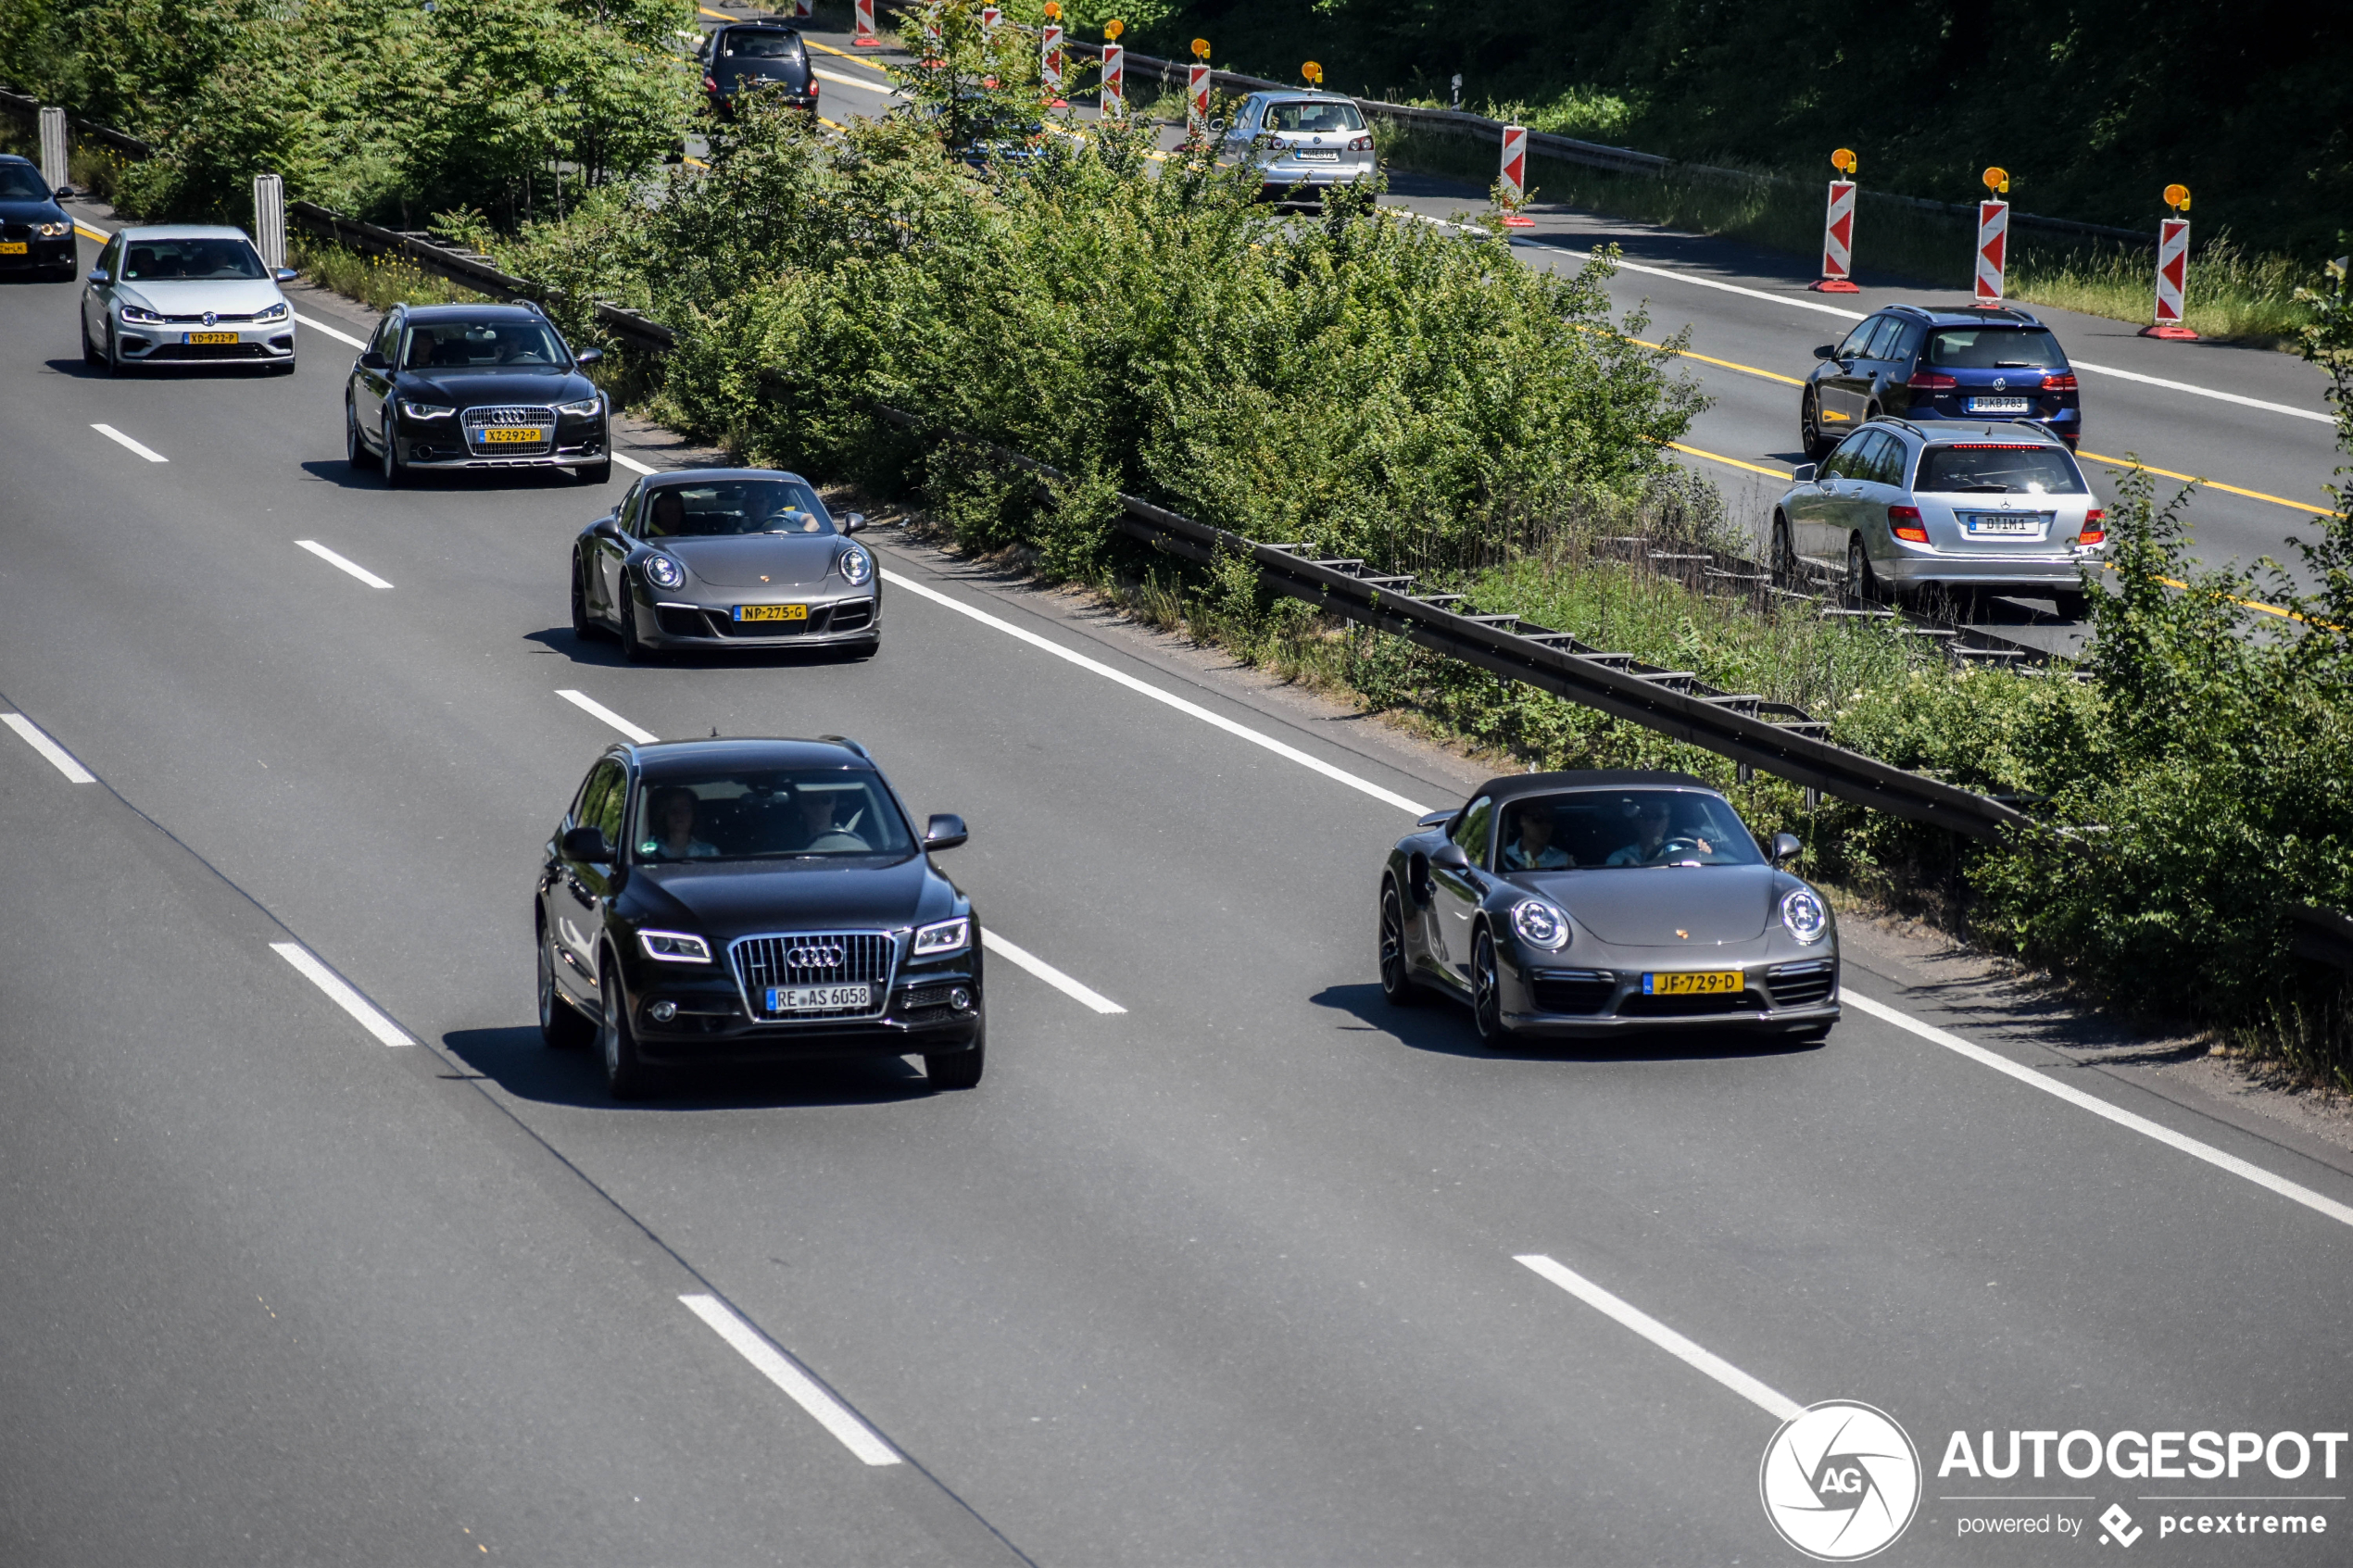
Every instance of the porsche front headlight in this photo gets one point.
(857, 566)
(945, 937)
(1804, 917)
(1540, 925)
(663, 572)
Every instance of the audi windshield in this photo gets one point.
(768, 814)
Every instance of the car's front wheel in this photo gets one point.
(561, 1027)
(90, 355)
(354, 447)
(627, 1076)
(394, 473)
(1397, 987)
(114, 352)
(1785, 554)
(959, 1069)
(1809, 428)
(1487, 997)
(583, 625)
(633, 650)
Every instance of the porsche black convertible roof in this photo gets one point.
(1511, 786)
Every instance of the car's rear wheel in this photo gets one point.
(959, 1069)
(1862, 584)
(627, 1076)
(1809, 428)
(1397, 987)
(1487, 997)
(561, 1027)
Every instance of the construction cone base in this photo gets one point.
(2166, 330)
(1835, 285)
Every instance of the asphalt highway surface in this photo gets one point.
(314, 1254)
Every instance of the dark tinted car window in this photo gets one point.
(735, 505)
(763, 43)
(1852, 347)
(1887, 461)
(1471, 831)
(195, 260)
(768, 814)
(483, 346)
(2025, 470)
(1634, 827)
(1988, 348)
(1314, 117)
(21, 183)
(1847, 462)
(1883, 343)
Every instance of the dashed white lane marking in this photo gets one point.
(2340, 1213)
(632, 464)
(1048, 973)
(1172, 699)
(115, 436)
(589, 705)
(342, 996)
(794, 1379)
(335, 333)
(340, 564)
(58, 757)
(1778, 1405)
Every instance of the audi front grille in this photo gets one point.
(869, 957)
(478, 423)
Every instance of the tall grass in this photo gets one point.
(376, 282)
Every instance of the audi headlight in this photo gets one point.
(1540, 925)
(946, 937)
(140, 316)
(663, 572)
(857, 566)
(277, 312)
(54, 230)
(674, 946)
(417, 410)
(1804, 915)
(584, 409)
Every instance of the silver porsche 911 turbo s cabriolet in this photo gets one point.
(1585, 904)
(726, 557)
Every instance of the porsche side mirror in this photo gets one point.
(1450, 855)
(1786, 848)
(100, 275)
(286, 274)
(587, 356)
(1802, 474)
(944, 831)
(853, 522)
(372, 360)
(587, 845)
(1827, 351)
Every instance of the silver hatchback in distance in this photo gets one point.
(1313, 140)
(185, 293)
(1909, 510)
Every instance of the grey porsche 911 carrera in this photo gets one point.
(1585, 904)
(726, 557)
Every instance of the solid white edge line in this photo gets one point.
(1776, 1404)
(1048, 973)
(342, 996)
(340, 564)
(632, 464)
(2340, 1213)
(794, 1379)
(1146, 689)
(57, 756)
(335, 333)
(590, 706)
(115, 436)
(2202, 392)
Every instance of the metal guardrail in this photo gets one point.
(29, 107)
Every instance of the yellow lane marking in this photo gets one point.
(857, 59)
(1727, 364)
(1781, 474)
(87, 233)
(2250, 604)
(2216, 484)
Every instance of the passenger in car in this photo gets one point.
(672, 809)
(1533, 849)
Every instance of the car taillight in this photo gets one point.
(1905, 523)
(812, 86)
(1933, 380)
(2059, 384)
(2095, 528)
(709, 85)
(1361, 144)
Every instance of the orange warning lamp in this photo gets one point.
(1114, 27)
(1053, 10)
(1997, 180)
(1200, 48)
(2177, 197)
(1314, 73)
(1843, 161)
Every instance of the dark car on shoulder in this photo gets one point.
(1922, 363)
(474, 386)
(748, 58)
(1584, 904)
(715, 558)
(36, 235)
(708, 902)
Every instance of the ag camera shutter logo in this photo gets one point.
(1840, 1481)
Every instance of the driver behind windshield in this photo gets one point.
(739, 506)
(1652, 814)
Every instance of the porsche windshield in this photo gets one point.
(1629, 827)
(768, 814)
(735, 506)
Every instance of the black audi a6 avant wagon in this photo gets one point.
(754, 900)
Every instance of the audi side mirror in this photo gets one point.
(286, 274)
(372, 360)
(100, 275)
(853, 522)
(587, 356)
(1786, 848)
(1802, 474)
(1827, 351)
(1450, 855)
(587, 845)
(944, 831)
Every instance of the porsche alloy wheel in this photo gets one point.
(632, 649)
(1487, 996)
(583, 625)
(1397, 987)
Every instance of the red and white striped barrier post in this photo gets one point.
(1111, 101)
(1993, 238)
(2173, 270)
(863, 13)
(803, 9)
(1197, 88)
(1838, 231)
(1049, 65)
(1512, 183)
(990, 16)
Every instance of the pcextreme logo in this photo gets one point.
(1840, 1481)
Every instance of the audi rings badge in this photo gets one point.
(829, 955)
